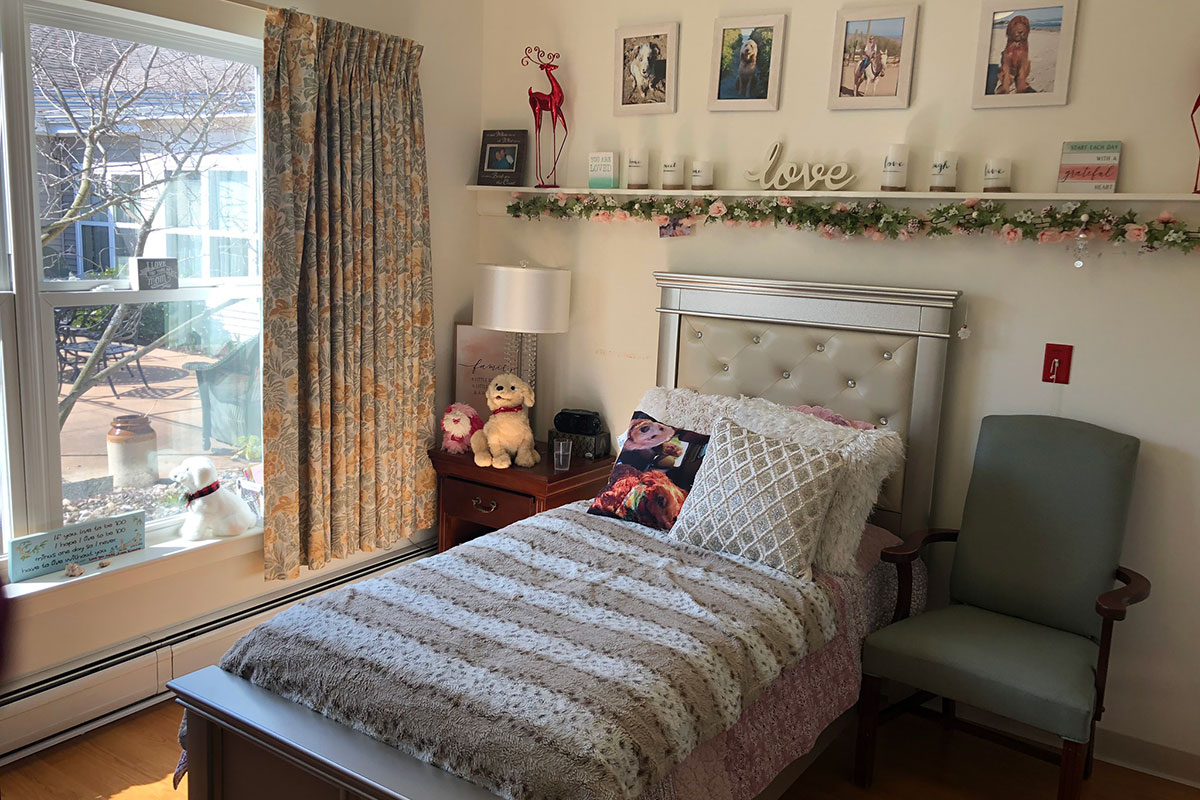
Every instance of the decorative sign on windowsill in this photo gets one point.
(1089, 167)
(156, 273)
(81, 543)
(789, 174)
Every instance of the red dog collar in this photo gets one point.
(205, 492)
(514, 408)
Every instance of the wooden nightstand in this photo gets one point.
(476, 500)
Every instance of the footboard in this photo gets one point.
(245, 743)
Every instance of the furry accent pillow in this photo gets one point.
(760, 498)
(870, 455)
(653, 474)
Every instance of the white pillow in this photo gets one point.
(761, 498)
(870, 455)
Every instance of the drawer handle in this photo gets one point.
(478, 503)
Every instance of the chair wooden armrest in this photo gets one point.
(1114, 603)
(902, 555)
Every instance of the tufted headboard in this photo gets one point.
(867, 352)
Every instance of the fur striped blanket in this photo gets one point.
(566, 656)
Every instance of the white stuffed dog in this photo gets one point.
(506, 436)
(212, 509)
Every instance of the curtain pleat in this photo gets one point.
(347, 293)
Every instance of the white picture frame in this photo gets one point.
(889, 28)
(647, 67)
(740, 86)
(1050, 34)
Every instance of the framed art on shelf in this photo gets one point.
(502, 158)
(747, 63)
(873, 54)
(647, 63)
(1024, 56)
(479, 355)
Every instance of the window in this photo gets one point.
(145, 145)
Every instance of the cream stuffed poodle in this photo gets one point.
(212, 509)
(506, 436)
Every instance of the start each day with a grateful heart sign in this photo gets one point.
(773, 175)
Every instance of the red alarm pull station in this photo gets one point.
(1057, 366)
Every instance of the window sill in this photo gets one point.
(165, 557)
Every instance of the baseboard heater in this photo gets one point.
(50, 710)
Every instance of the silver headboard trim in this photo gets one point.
(923, 314)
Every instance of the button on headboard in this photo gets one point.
(869, 353)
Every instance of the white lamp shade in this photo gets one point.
(522, 299)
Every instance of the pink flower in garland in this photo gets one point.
(839, 207)
(1010, 234)
(660, 219)
(829, 232)
(602, 216)
(1135, 232)
(971, 202)
(959, 230)
(1049, 236)
(731, 223)
(757, 223)
(717, 209)
(784, 200)
(620, 215)
(1166, 218)
(561, 199)
(903, 235)
(681, 203)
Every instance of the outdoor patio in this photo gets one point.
(173, 405)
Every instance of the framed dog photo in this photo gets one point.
(647, 60)
(873, 55)
(1024, 56)
(747, 63)
(502, 158)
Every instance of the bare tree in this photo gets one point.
(118, 124)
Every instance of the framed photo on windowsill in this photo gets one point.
(502, 158)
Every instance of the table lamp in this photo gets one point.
(523, 300)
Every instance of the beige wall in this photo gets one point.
(1132, 319)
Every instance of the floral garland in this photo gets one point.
(875, 220)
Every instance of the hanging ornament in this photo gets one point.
(1081, 242)
(964, 332)
(551, 102)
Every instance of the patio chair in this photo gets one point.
(230, 394)
(76, 343)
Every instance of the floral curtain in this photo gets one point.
(347, 293)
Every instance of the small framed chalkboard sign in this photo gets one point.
(502, 158)
(155, 273)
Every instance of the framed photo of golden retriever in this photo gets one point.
(1024, 54)
(747, 63)
(647, 60)
(873, 53)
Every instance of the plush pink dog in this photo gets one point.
(458, 423)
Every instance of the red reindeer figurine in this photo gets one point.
(552, 102)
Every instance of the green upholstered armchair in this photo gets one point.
(1028, 630)
(230, 394)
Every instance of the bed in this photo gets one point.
(727, 677)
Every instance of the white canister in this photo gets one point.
(997, 175)
(943, 172)
(672, 172)
(637, 169)
(895, 168)
(702, 175)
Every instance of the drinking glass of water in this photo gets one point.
(562, 455)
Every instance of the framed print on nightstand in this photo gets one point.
(747, 63)
(873, 53)
(1024, 56)
(647, 63)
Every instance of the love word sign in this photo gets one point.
(789, 174)
(81, 543)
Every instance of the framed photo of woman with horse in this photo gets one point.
(873, 55)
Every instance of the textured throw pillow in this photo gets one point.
(653, 474)
(871, 456)
(761, 498)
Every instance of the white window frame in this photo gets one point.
(32, 400)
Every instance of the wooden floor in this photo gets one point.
(133, 759)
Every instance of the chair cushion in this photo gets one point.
(1021, 670)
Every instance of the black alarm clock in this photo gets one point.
(578, 420)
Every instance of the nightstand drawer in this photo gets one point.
(484, 505)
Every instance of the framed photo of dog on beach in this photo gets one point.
(647, 62)
(873, 53)
(747, 63)
(1024, 56)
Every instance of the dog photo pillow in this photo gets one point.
(653, 474)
